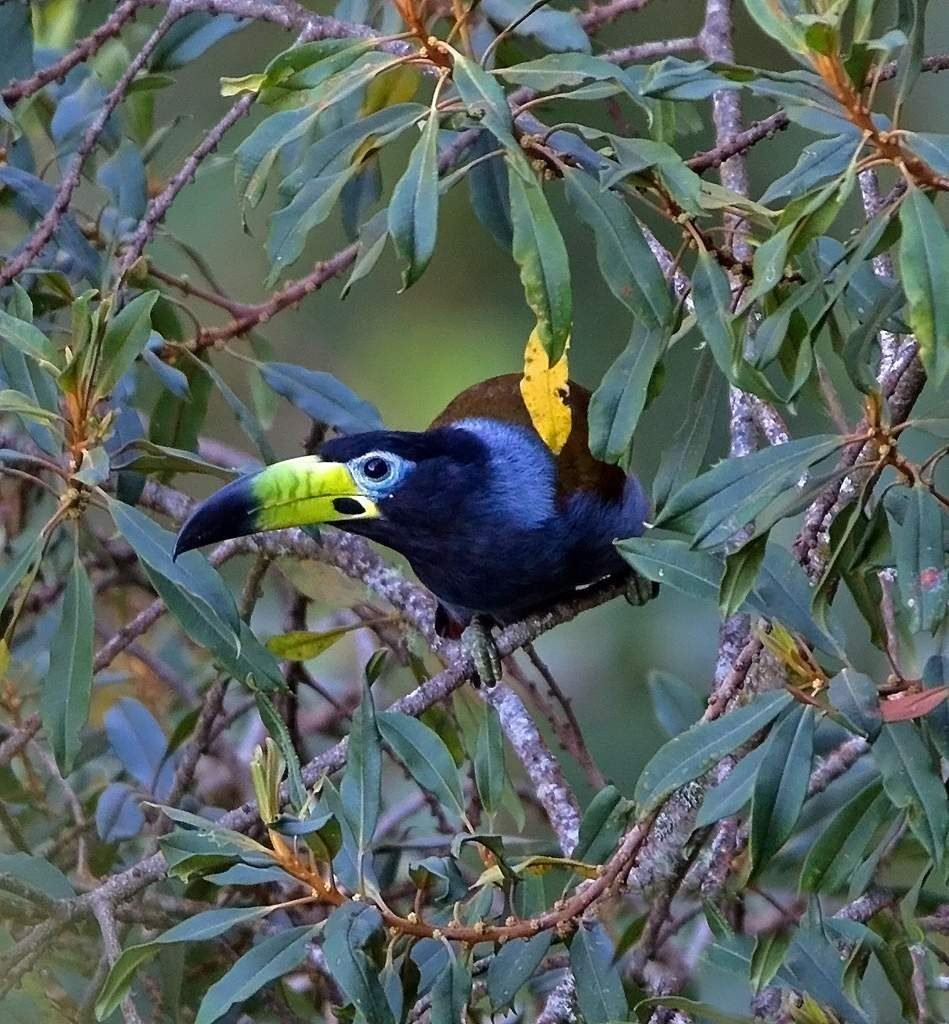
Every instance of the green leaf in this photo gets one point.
(206, 925)
(256, 155)
(931, 147)
(539, 251)
(733, 792)
(816, 967)
(190, 573)
(626, 262)
(818, 163)
(601, 825)
(513, 966)
(563, 71)
(147, 457)
(424, 754)
(676, 704)
(600, 992)
(322, 397)
(683, 456)
(348, 931)
(360, 789)
(675, 563)
(451, 991)
(918, 543)
(126, 335)
(485, 100)
(618, 402)
(28, 339)
(773, 19)
(18, 404)
(735, 498)
(911, 781)
(838, 849)
(290, 225)
(781, 785)
(413, 208)
(741, 571)
(38, 874)
(270, 959)
(691, 754)
(855, 696)
(68, 684)
(490, 770)
(277, 728)
(924, 256)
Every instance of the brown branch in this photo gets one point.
(70, 182)
(16, 741)
(158, 207)
(82, 51)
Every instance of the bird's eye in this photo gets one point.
(376, 468)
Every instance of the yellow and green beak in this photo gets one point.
(297, 492)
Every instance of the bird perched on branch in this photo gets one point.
(492, 522)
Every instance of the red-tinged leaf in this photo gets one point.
(915, 705)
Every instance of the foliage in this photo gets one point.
(319, 892)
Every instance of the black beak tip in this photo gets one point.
(226, 514)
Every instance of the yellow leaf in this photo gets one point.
(246, 83)
(4, 659)
(303, 645)
(544, 389)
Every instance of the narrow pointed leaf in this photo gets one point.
(413, 208)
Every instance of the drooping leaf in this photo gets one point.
(68, 685)
(451, 991)
(840, 846)
(924, 255)
(424, 754)
(675, 563)
(544, 389)
(348, 932)
(361, 786)
(27, 338)
(413, 208)
(539, 251)
(741, 571)
(685, 453)
(619, 401)
(202, 926)
(513, 966)
(270, 959)
(816, 967)
(920, 555)
(781, 785)
(689, 755)
(626, 262)
(322, 397)
(727, 498)
(855, 696)
(600, 992)
(676, 704)
(733, 792)
(126, 335)
(118, 815)
(490, 770)
(190, 573)
(138, 742)
(912, 781)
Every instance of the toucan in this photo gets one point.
(491, 521)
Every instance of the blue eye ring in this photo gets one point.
(377, 472)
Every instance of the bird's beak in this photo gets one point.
(297, 492)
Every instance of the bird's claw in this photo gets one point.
(480, 646)
(639, 590)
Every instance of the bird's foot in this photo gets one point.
(479, 644)
(639, 590)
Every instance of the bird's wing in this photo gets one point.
(499, 398)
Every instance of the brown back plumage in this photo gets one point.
(499, 398)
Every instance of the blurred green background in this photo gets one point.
(467, 320)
